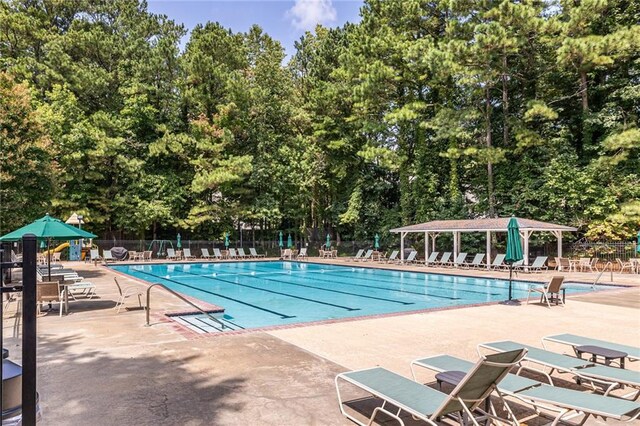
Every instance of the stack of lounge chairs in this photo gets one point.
(396, 397)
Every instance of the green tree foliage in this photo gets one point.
(421, 111)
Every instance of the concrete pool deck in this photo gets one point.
(106, 368)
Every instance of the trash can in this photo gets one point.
(12, 394)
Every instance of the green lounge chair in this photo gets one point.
(538, 265)
(476, 262)
(460, 260)
(254, 253)
(171, 254)
(498, 261)
(425, 403)
(432, 257)
(392, 258)
(633, 352)
(412, 257)
(586, 371)
(444, 260)
(566, 404)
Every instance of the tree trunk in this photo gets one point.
(583, 91)
(487, 115)
(505, 102)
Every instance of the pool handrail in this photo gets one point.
(179, 296)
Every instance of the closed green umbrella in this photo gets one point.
(280, 243)
(638, 243)
(226, 240)
(179, 241)
(514, 249)
(289, 242)
(328, 243)
(376, 242)
(48, 228)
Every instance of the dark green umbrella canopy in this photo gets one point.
(514, 248)
(48, 228)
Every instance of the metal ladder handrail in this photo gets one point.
(604, 269)
(179, 296)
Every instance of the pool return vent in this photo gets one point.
(204, 322)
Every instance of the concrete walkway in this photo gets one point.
(104, 368)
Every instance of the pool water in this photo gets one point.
(259, 294)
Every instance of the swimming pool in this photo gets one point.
(259, 294)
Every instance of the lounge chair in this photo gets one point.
(432, 257)
(366, 257)
(287, 254)
(171, 254)
(566, 404)
(303, 254)
(107, 257)
(624, 265)
(477, 262)
(94, 255)
(412, 257)
(124, 295)
(538, 265)
(460, 260)
(392, 258)
(498, 262)
(233, 254)
(86, 289)
(548, 291)
(633, 352)
(186, 254)
(254, 253)
(217, 254)
(425, 403)
(358, 255)
(596, 375)
(205, 253)
(242, 254)
(444, 260)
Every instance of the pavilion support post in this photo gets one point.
(455, 244)
(488, 249)
(426, 248)
(525, 236)
(433, 241)
(559, 235)
(402, 235)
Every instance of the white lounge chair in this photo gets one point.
(287, 254)
(538, 265)
(186, 254)
(205, 253)
(233, 254)
(107, 257)
(254, 253)
(432, 257)
(476, 262)
(241, 253)
(303, 254)
(124, 295)
(498, 262)
(366, 257)
(94, 255)
(171, 254)
(460, 260)
(217, 254)
(392, 258)
(412, 257)
(547, 292)
(358, 255)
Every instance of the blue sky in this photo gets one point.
(283, 20)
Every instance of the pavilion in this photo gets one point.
(433, 229)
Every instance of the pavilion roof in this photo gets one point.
(482, 225)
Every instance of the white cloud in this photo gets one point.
(306, 14)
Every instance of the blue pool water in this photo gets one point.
(258, 294)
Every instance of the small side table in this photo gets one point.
(596, 351)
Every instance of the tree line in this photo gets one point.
(423, 110)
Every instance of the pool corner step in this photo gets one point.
(202, 324)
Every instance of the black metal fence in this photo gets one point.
(605, 251)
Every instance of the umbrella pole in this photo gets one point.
(510, 278)
(49, 257)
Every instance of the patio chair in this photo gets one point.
(107, 257)
(233, 254)
(254, 253)
(186, 254)
(56, 257)
(286, 254)
(562, 264)
(205, 253)
(460, 260)
(366, 257)
(425, 403)
(241, 253)
(565, 404)
(584, 263)
(171, 254)
(444, 260)
(217, 254)
(147, 255)
(633, 352)
(124, 295)
(498, 261)
(392, 258)
(548, 291)
(358, 255)
(303, 254)
(624, 265)
(476, 262)
(538, 265)
(48, 292)
(597, 376)
(432, 257)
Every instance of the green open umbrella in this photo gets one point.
(226, 240)
(289, 241)
(179, 241)
(514, 249)
(376, 242)
(48, 228)
(280, 243)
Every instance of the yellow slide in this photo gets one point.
(57, 249)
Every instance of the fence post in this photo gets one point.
(29, 336)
